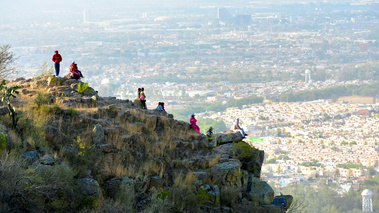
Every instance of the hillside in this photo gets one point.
(73, 151)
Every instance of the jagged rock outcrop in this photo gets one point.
(227, 137)
(98, 134)
(115, 145)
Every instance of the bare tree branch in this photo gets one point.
(6, 59)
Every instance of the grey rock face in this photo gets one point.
(88, 187)
(30, 156)
(98, 136)
(4, 111)
(231, 137)
(228, 172)
(112, 186)
(53, 135)
(260, 192)
(47, 160)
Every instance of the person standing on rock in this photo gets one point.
(193, 122)
(142, 97)
(57, 58)
(139, 93)
(210, 134)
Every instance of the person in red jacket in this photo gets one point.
(57, 58)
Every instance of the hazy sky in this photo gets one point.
(37, 5)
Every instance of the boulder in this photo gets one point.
(53, 135)
(112, 187)
(47, 160)
(88, 187)
(223, 138)
(98, 136)
(4, 110)
(283, 201)
(156, 182)
(30, 156)
(227, 173)
(54, 81)
(137, 103)
(260, 193)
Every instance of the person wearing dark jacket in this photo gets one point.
(57, 58)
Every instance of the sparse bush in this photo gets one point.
(82, 89)
(46, 189)
(6, 59)
(229, 195)
(244, 150)
(3, 143)
(42, 99)
(84, 156)
(71, 111)
(46, 71)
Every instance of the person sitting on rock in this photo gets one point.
(160, 107)
(236, 128)
(210, 134)
(193, 122)
(75, 73)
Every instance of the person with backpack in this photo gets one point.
(57, 58)
(142, 97)
(75, 73)
(210, 134)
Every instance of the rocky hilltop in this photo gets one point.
(73, 151)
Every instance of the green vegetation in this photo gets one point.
(350, 165)
(3, 143)
(313, 162)
(353, 143)
(82, 89)
(42, 99)
(46, 71)
(338, 91)
(244, 150)
(6, 94)
(271, 161)
(369, 71)
(205, 123)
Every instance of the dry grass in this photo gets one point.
(357, 99)
(153, 167)
(185, 181)
(214, 161)
(15, 137)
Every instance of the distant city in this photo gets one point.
(196, 56)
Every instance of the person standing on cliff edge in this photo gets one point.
(57, 58)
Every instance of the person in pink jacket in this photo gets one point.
(193, 124)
